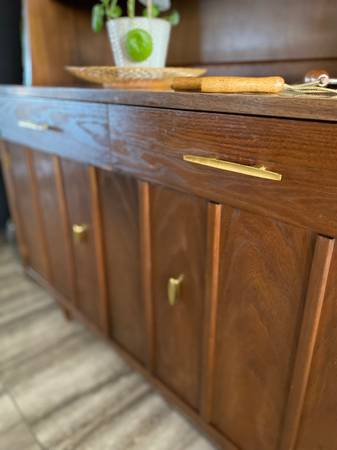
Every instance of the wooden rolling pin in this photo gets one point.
(267, 85)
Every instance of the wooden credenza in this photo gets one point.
(219, 286)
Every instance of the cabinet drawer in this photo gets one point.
(152, 143)
(71, 129)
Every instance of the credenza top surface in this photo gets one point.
(304, 107)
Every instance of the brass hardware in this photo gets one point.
(259, 172)
(32, 125)
(174, 288)
(80, 232)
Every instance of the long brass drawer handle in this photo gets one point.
(80, 232)
(33, 125)
(174, 288)
(259, 172)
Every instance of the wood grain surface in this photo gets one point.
(302, 107)
(264, 268)
(119, 199)
(214, 227)
(37, 210)
(45, 57)
(99, 245)
(314, 304)
(178, 230)
(31, 226)
(43, 165)
(226, 352)
(318, 419)
(146, 269)
(77, 193)
(301, 151)
(214, 31)
(77, 131)
(292, 70)
(66, 225)
(267, 85)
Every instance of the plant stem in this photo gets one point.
(131, 8)
(149, 8)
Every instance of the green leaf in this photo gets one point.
(155, 11)
(114, 12)
(173, 18)
(139, 44)
(97, 18)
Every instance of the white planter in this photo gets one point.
(159, 29)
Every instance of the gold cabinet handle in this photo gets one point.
(80, 232)
(33, 125)
(259, 172)
(174, 288)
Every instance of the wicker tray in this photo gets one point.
(133, 77)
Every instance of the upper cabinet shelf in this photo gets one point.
(257, 38)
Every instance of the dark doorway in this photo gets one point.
(10, 67)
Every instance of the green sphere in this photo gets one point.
(139, 44)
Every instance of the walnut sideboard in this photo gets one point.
(196, 233)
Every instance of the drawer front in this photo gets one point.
(152, 143)
(72, 129)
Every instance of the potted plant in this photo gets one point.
(136, 41)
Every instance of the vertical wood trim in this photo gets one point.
(63, 209)
(146, 268)
(13, 206)
(39, 215)
(99, 248)
(211, 306)
(312, 314)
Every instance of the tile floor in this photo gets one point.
(61, 388)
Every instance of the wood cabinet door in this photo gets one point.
(263, 278)
(51, 200)
(178, 234)
(312, 422)
(27, 208)
(77, 186)
(120, 211)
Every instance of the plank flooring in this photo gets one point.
(61, 388)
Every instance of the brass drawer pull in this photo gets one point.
(259, 172)
(32, 125)
(80, 232)
(174, 288)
